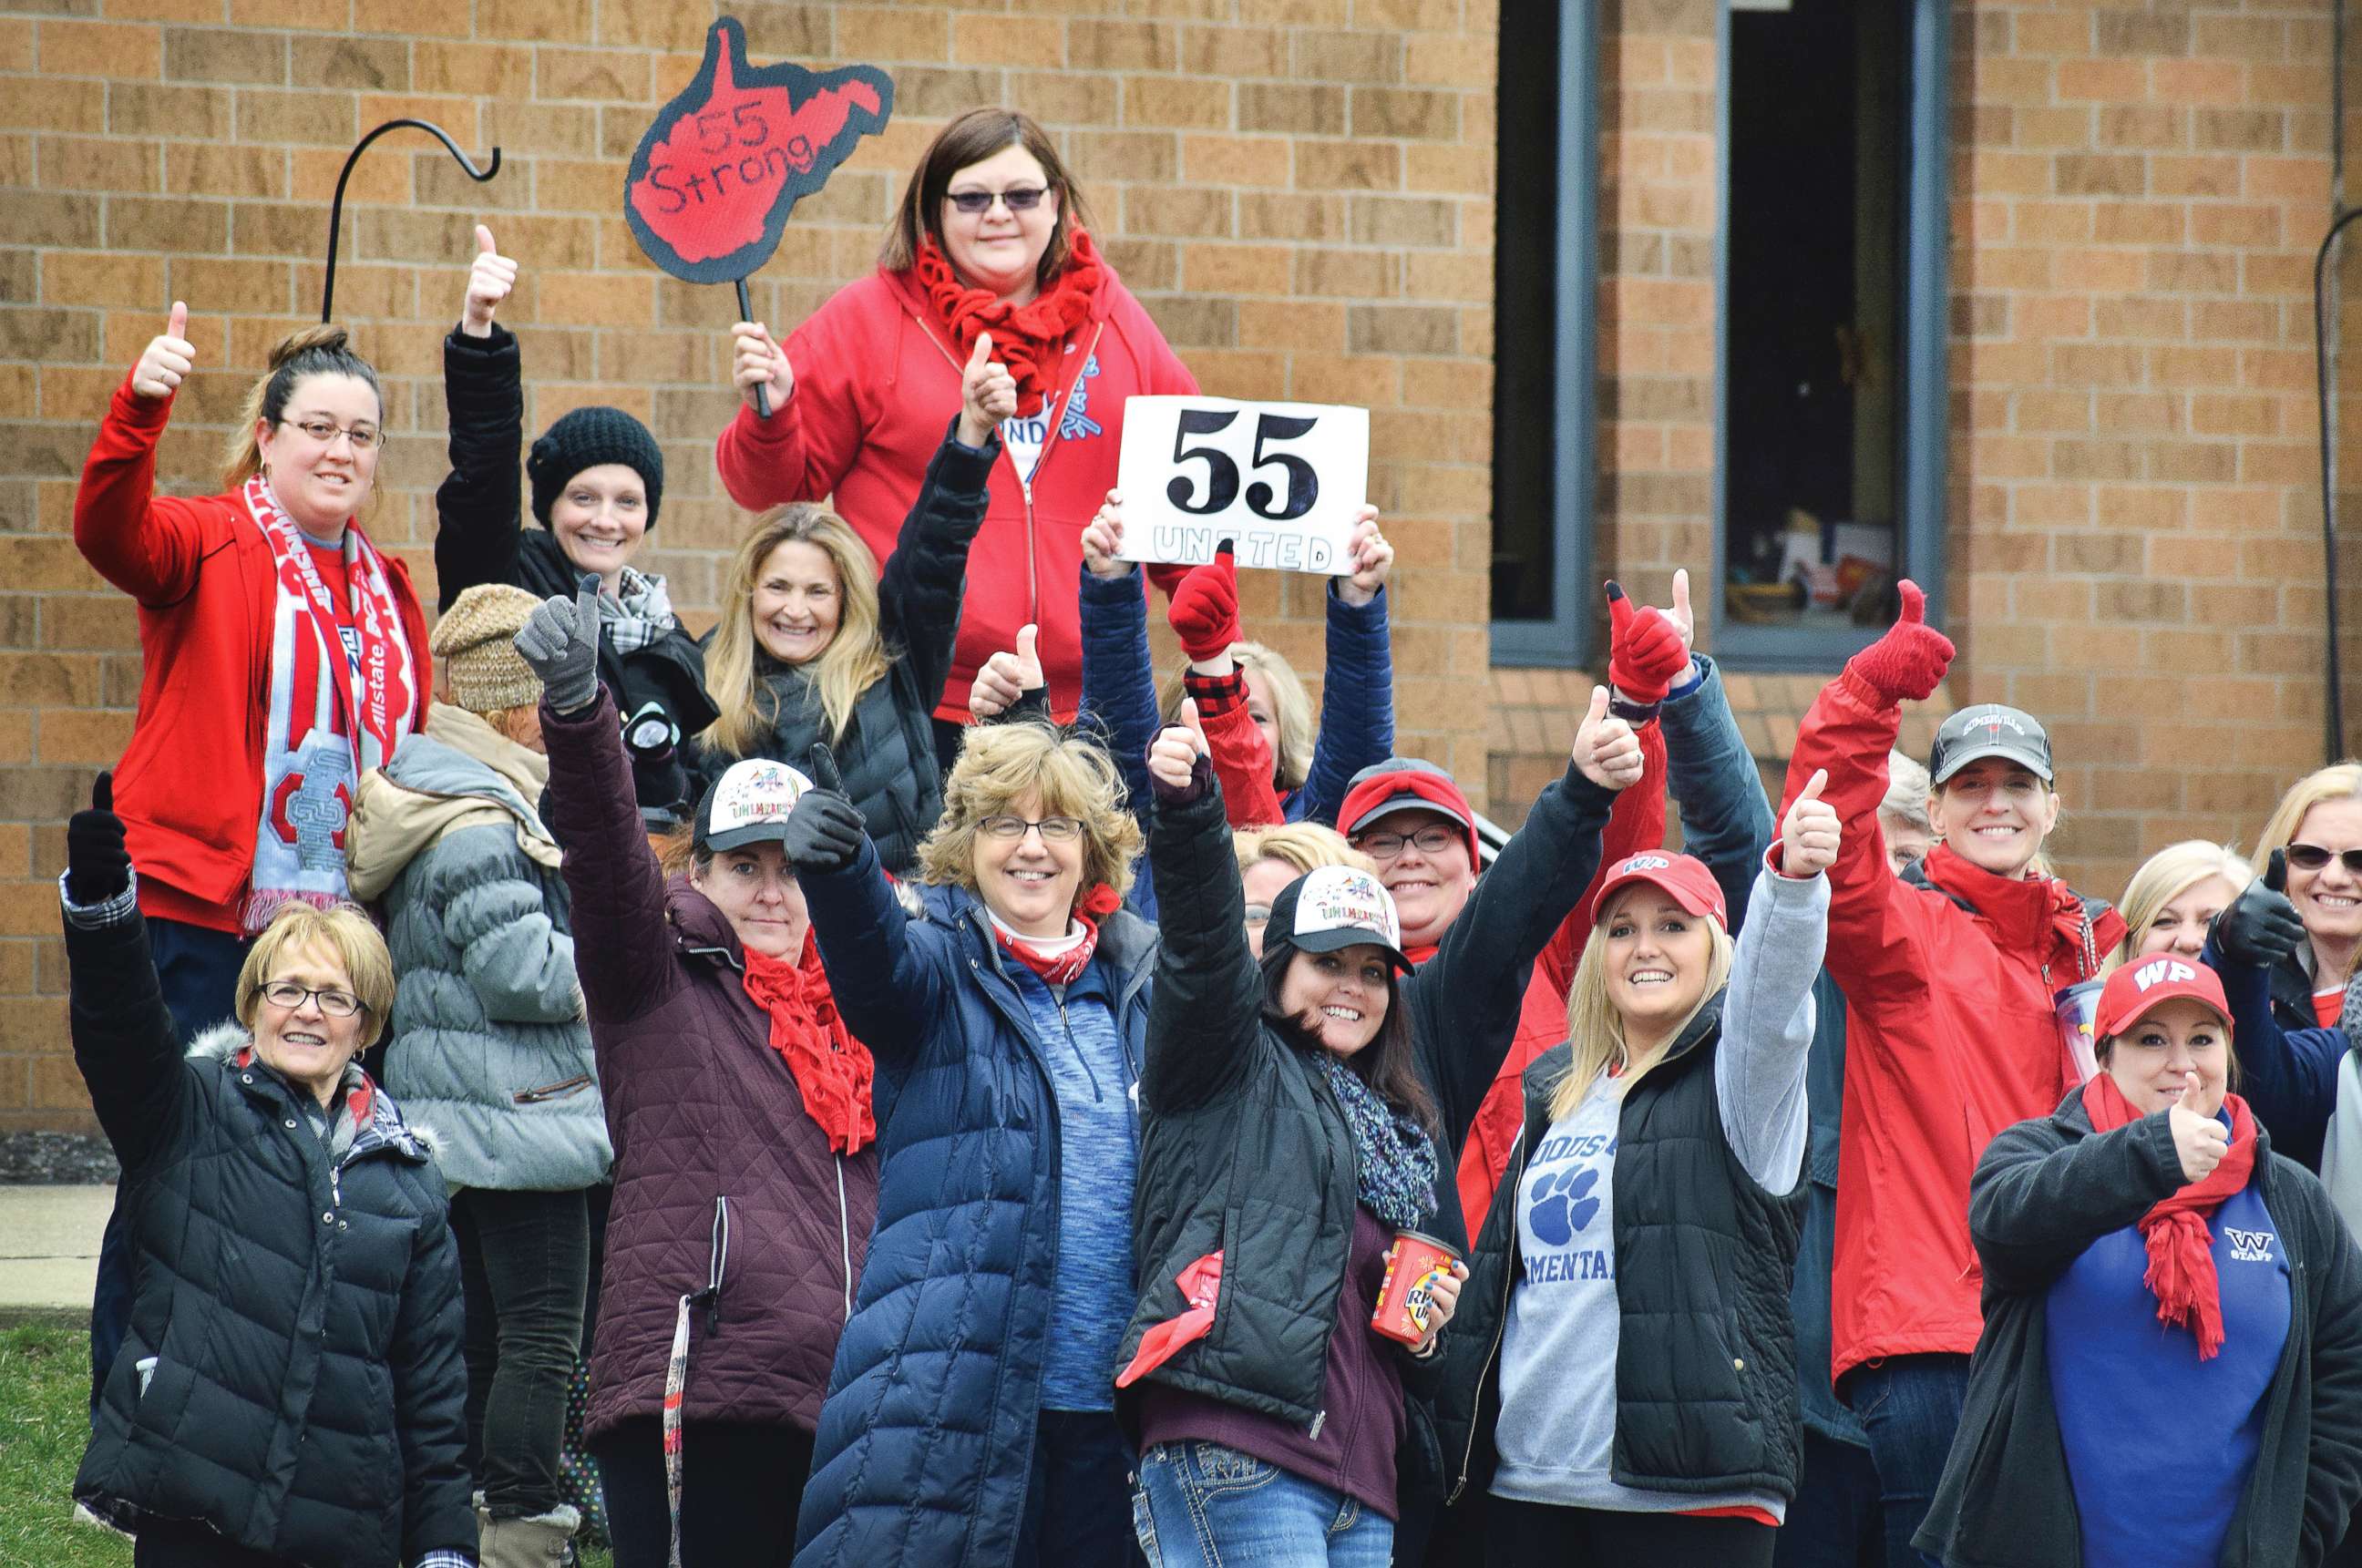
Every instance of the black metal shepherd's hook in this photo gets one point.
(2336, 688)
(337, 207)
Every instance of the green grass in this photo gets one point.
(44, 1421)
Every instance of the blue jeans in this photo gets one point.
(1835, 1520)
(1201, 1504)
(1910, 1406)
(197, 971)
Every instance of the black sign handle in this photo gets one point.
(337, 207)
(763, 387)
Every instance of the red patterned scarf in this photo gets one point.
(1030, 338)
(1066, 968)
(2181, 1255)
(832, 1068)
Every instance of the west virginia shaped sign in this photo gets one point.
(713, 180)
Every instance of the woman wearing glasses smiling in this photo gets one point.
(990, 239)
(970, 1416)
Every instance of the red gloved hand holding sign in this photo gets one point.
(1911, 659)
(1205, 610)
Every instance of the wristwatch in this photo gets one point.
(1634, 713)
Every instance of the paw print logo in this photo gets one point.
(1561, 1206)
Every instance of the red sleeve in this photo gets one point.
(1242, 761)
(1874, 942)
(1637, 822)
(1167, 377)
(149, 546)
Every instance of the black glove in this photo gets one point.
(2261, 927)
(824, 831)
(98, 867)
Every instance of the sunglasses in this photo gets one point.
(1024, 199)
(2313, 857)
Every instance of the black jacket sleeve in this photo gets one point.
(477, 507)
(1465, 1000)
(1204, 1012)
(124, 1041)
(2333, 1479)
(919, 593)
(2039, 1197)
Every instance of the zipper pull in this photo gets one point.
(1318, 1420)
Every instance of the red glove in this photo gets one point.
(1911, 659)
(1645, 653)
(1204, 612)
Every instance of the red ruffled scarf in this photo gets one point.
(1066, 968)
(832, 1068)
(2180, 1256)
(1030, 338)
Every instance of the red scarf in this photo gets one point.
(1066, 968)
(1030, 338)
(831, 1067)
(2180, 1256)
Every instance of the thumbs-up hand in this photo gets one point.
(1809, 834)
(824, 831)
(1103, 536)
(1910, 660)
(988, 394)
(1007, 677)
(1173, 763)
(2261, 927)
(1203, 611)
(1646, 651)
(560, 641)
(2199, 1138)
(1606, 749)
(166, 358)
(490, 278)
(98, 867)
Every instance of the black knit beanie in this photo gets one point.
(586, 439)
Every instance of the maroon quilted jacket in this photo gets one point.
(716, 1163)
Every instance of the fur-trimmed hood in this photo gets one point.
(375, 1120)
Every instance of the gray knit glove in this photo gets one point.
(561, 642)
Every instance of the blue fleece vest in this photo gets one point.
(2161, 1444)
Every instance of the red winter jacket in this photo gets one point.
(875, 378)
(1951, 1037)
(189, 788)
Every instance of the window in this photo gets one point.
(1830, 481)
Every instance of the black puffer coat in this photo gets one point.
(887, 750)
(479, 537)
(292, 1375)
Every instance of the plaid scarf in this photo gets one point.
(1393, 1156)
(639, 613)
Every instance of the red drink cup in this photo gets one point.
(1407, 1300)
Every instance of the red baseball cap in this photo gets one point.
(1683, 877)
(1407, 784)
(2140, 985)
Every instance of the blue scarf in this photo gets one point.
(1393, 1157)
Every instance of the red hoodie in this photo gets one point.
(877, 381)
(1951, 1035)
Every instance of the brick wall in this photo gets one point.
(1299, 188)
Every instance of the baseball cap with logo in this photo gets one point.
(1331, 907)
(1988, 729)
(749, 805)
(1684, 878)
(2140, 985)
(1405, 784)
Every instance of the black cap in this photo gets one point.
(586, 439)
(1331, 907)
(1988, 729)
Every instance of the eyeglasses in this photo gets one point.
(363, 437)
(1023, 199)
(1054, 830)
(288, 995)
(1387, 845)
(2313, 857)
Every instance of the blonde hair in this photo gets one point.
(2164, 877)
(1595, 1030)
(999, 765)
(854, 659)
(2339, 781)
(1300, 846)
(1291, 709)
(313, 351)
(359, 946)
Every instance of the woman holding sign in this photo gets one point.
(990, 242)
(1624, 1384)
(2171, 1371)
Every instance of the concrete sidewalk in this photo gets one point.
(49, 1247)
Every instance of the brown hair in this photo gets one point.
(971, 139)
(1389, 1064)
(313, 351)
(999, 764)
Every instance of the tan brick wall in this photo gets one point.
(1300, 190)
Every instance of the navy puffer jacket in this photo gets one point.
(927, 1437)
